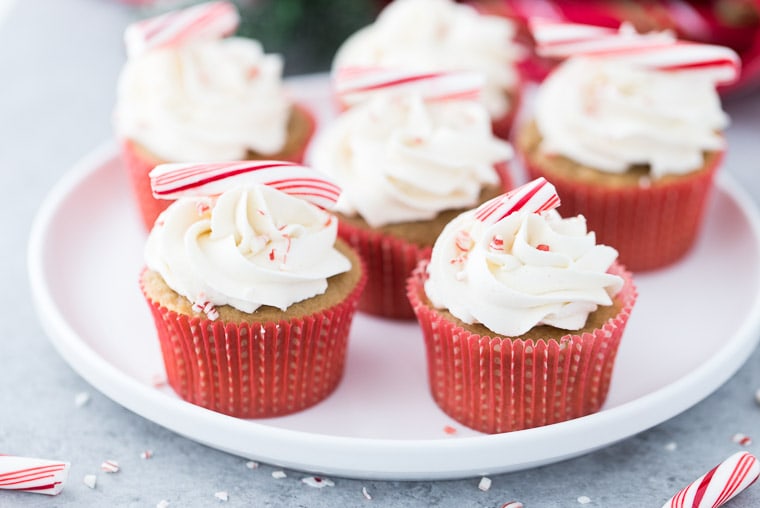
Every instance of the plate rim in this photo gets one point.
(608, 426)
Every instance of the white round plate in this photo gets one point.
(694, 325)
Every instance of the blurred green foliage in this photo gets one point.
(306, 32)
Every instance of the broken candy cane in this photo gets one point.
(535, 197)
(718, 485)
(175, 180)
(32, 475)
(356, 84)
(654, 50)
(212, 20)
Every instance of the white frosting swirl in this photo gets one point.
(209, 100)
(439, 35)
(255, 246)
(403, 159)
(610, 116)
(512, 290)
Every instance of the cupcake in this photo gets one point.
(251, 292)
(406, 166)
(442, 35)
(188, 93)
(632, 139)
(522, 313)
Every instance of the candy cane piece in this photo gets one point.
(27, 474)
(562, 40)
(718, 485)
(175, 180)
(654, 50)
(212, 20)
(535, 197)
(357, 83)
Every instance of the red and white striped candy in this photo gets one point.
(534, 197)
(176, 180)
(655, 50)
(718, 485)
(356, 84)
(212, 20)
(32, 475)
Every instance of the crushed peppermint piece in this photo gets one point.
(484, 484)
(366, 495)
(81, 399)
(448, 429)
(671, 447)
(162, 504)
(512, 504)
(90, 480)
(110, 466)
(147, 454)
(222, 495)
(206, 307)
(279, 475)
(252, 465)
(318, 482)
(158, 380)
(584, 500)
(741, 439)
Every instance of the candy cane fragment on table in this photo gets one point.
(534, 197)
(176, 180)
(718, 485)
(654, 50)
(28, 474)
(356, 84)
(211, 20)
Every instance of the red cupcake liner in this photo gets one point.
(651, 227)
(255, 369)
(138, 163)
(390, 260)
(498, 384)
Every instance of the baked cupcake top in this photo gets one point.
(401, 158)
(188, 93)
(513, 264)
(257, 242)
(630, 99)
(439, 35)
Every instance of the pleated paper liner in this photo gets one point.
(651, 226)
(499, 384)
(390, 260)
(138, 162)
(255, 369)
